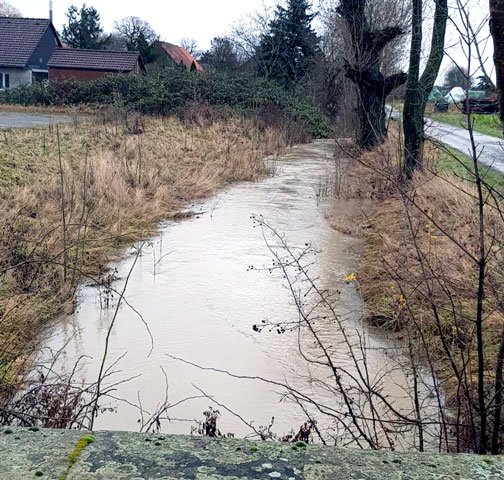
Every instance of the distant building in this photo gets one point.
(169, 53)
(79, 64)
(26, 45)
(31, 51)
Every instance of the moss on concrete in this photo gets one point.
(83, 442)
(121, 455)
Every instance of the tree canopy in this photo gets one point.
(457, 76)
(7, 10)
(83, 29)
(222, 56)
(138, 36)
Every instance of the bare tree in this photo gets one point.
(246, 34)
(138, 35)
(191, 45)
(363, 68)
(388, 13)
(7, 10)
(456, 76)
(132, 28)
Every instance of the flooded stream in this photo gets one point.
(194, 288)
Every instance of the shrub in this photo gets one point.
(171, 90)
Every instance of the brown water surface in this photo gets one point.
(194, 288)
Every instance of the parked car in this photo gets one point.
(441, 105)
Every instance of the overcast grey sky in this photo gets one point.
(172, 19)
(478, 13)
(205, 19)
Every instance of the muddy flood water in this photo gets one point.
(194, 288)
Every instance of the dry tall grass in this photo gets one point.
(116, 186)
(416, 276)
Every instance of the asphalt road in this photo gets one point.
(29, 120)
(490, 149)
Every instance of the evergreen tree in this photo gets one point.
(83, 29)
(288, 49)
(221, 57)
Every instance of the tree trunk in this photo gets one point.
(419, 87)
(497, 30)
(373, 91)
(364, 71)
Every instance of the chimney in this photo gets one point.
(50, 11)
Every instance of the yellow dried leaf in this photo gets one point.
(351, 278)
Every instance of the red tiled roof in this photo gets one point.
(180, 56)
(19, 38)
(105, 60)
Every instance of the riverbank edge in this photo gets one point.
(53, 110)
(382, 227)
(123, 455)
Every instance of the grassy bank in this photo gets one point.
(451, 162)
(73, 196)
(417, 275)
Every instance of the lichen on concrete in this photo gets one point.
(136, 456)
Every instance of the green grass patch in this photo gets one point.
(452, 162)
(486, 124)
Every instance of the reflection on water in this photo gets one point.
(193, 287)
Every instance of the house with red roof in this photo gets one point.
(169, 53)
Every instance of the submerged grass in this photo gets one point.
(74, 195)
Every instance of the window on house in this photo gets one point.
(4, 80)
(39, 76)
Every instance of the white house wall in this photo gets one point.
(17, 76)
